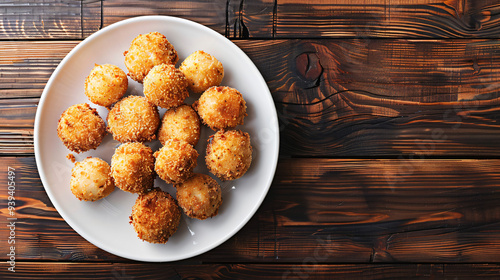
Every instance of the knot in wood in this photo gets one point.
(309, 69)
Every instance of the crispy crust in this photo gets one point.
(180, 123)
(133, 119)
(221, 107)
(80, 128)
(175, 161)
(146, 51)
(202, 70)
(229, 154)
(71, 157)
(132, 167)
(106, 84)
(91, 179)
(165, 86)
(155, 216)
(200, 196)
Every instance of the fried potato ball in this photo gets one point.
(221, 107)
(165, 86)
(106, 84)
(180, 123)
(229, 154)
(81, 128)
(200, 196)
(202, 71)
(155, 216)
(146, 51)
(91, 179)
(132, 167)
(175, 161)
(133, 119)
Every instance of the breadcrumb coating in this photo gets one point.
(202, 70)
(165, 86)
(180, 123)
(155, 216)
(150, 60)
(146, 51)
(106, 84)
(71, 157)
(91, 179)
(133, 119)
(80, 128)
(200, 196)
(221, 107)
(132, 167)
(229, 154)
(175, 161)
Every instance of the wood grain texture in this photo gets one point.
(91, 17)
(67, 19)
(207, 12)
(122, 271)
(399, 210)
(330, 211)
(49, 19)
(251, 19)
(387, 19)
(353, 81)
(333, 19)
(16, 126)
(418, 98)
(25, 67)
(24, 71)
(415, 98)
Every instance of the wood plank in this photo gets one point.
(419, 98)
(43, 270)
(251, 19)
(66, 19)
(387, 19)
(362, 19)
(403, 210)
(347, 211)
(49, 19)
(16, 126)
(24, 71)
(91, 17)
(25, 67)
(207, 12)
(411, 98)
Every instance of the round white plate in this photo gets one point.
(105, 223)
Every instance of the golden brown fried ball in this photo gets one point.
(221, 107)
(91, 179)
(202, 71)
(200, 196)
(81, 128)
(133, 119)
(165, 86)
(175, 161)
(106, 84)
(155, 216)
(180, 123)
(229, 154)
(132, 167)
(145, 52)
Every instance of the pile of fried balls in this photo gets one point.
(132, 120)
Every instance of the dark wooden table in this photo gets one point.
(390, 139)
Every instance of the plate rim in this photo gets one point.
(41, 172)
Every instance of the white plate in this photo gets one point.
(105, 223)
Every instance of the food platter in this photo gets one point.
(105, 223)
